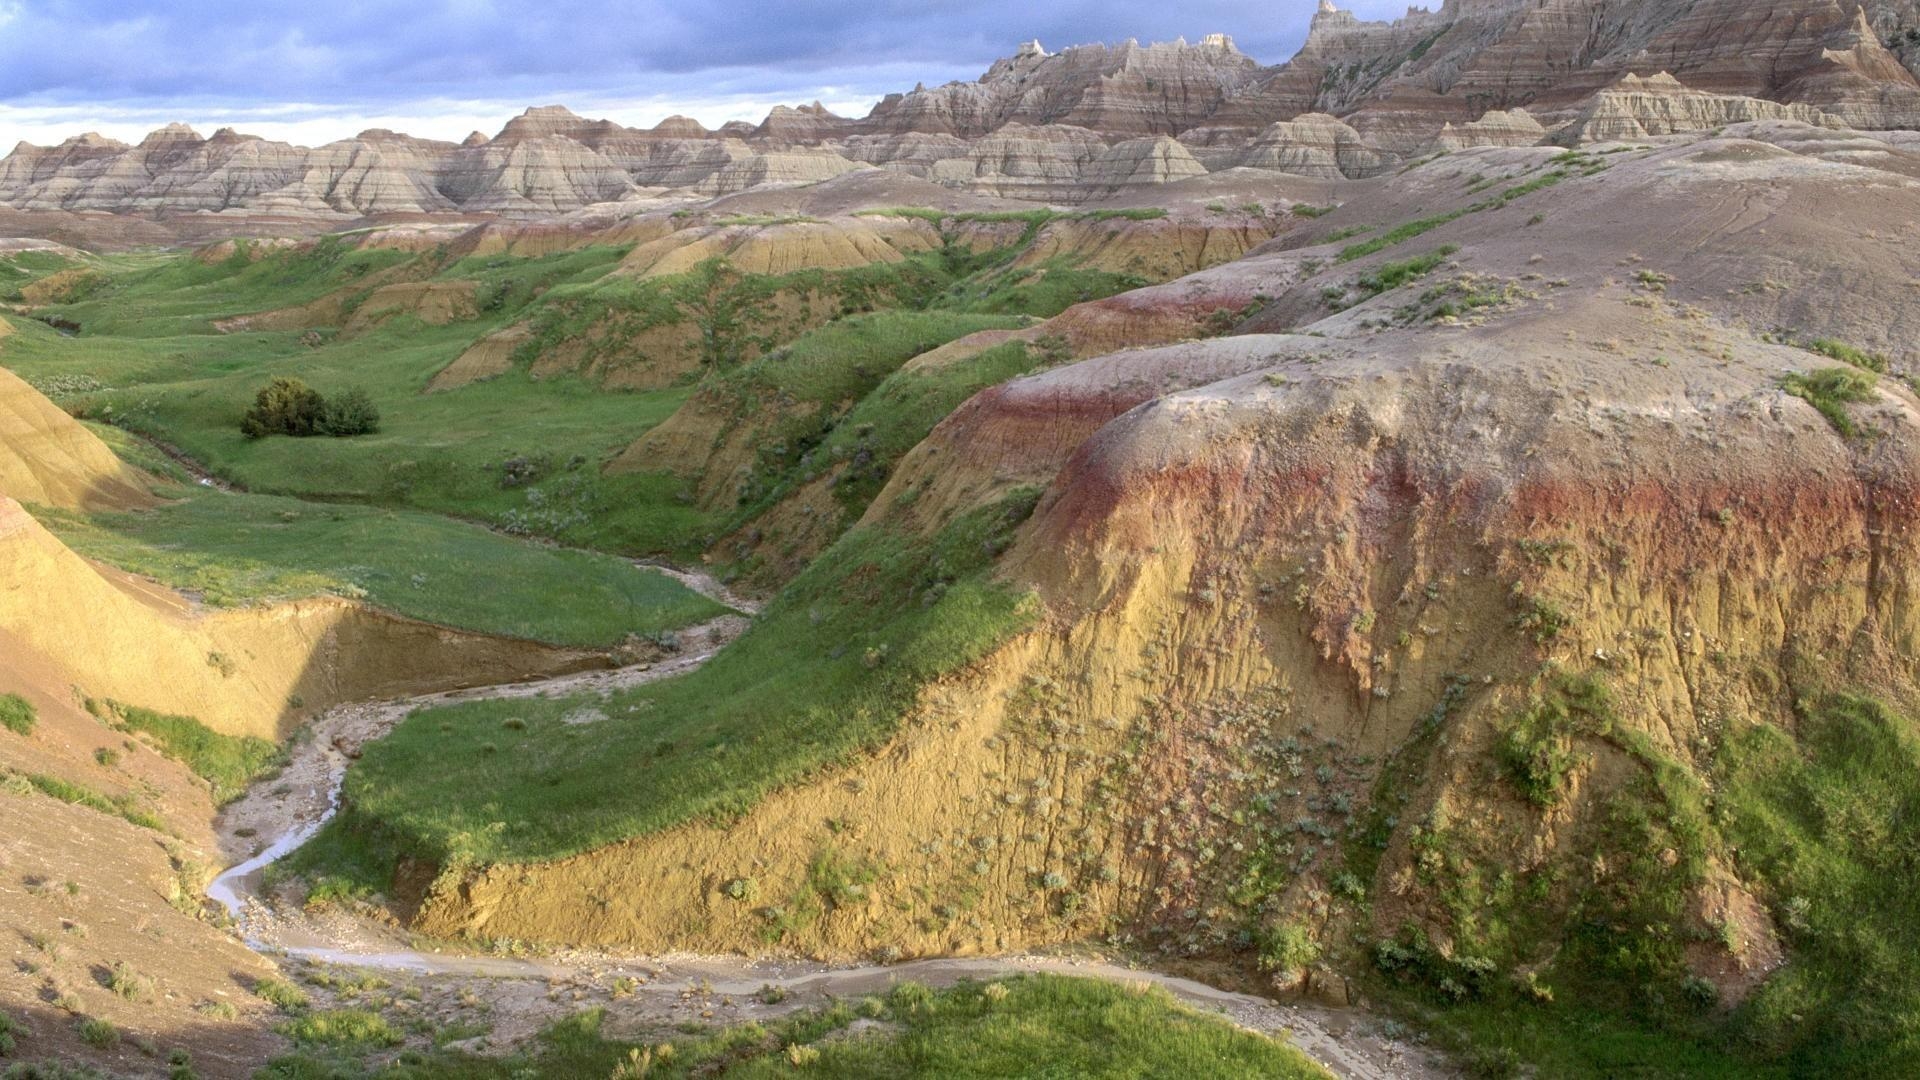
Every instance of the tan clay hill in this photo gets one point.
(1079, 125)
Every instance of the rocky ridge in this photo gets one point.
(1090, 122)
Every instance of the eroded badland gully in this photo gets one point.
(1412, 549)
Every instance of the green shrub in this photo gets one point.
(1287, 946)
(128, 983)
(285, 406)
(351, 413)
(17, 714)
(1537, 745)
(99, 1033)
(288, 406)
(1831, 390)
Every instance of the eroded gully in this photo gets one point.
(279, 815)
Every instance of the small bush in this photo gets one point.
(1288, 947)
(17, 714)
(99, 1034)
(352, 413)
(128, 983)
(1831, 390)
(288, 406)
(1537, 745)
(285, 406)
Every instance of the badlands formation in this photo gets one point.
(1087, 123)
(1424, 533)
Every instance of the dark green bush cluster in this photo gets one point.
(287, 406)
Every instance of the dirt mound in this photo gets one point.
(435, 303)
(60, 287)
(491, 356)
(48, 458)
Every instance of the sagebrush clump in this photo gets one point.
(288, 406)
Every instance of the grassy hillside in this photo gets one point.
(826, 671)
(236, 548)
(159, 353)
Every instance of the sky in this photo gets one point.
(310, 71)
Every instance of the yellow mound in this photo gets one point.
(47, 457)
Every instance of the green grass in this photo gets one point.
(1032, 217)
(235, 548)
(1402, 233)
(1399, 234)
(766, 219)
(1392, 275)
(99, 1034)
(1030, 1026)
(867, 441)
(1831, 390)
(17, 714)
(1812, 816)
(282, 994)
(227, 762)
(1847, 354)
(825, 672)
(342, 1027)
(1823, 816)
(845, 359)
(149, 342)
(125, 807)
(1044, 290)
(149, 360)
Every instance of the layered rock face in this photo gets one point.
(1125, 90)
(1398, 80)
(1079, 125)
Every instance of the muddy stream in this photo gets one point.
(521, 995)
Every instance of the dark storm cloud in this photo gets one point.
(374, 51)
